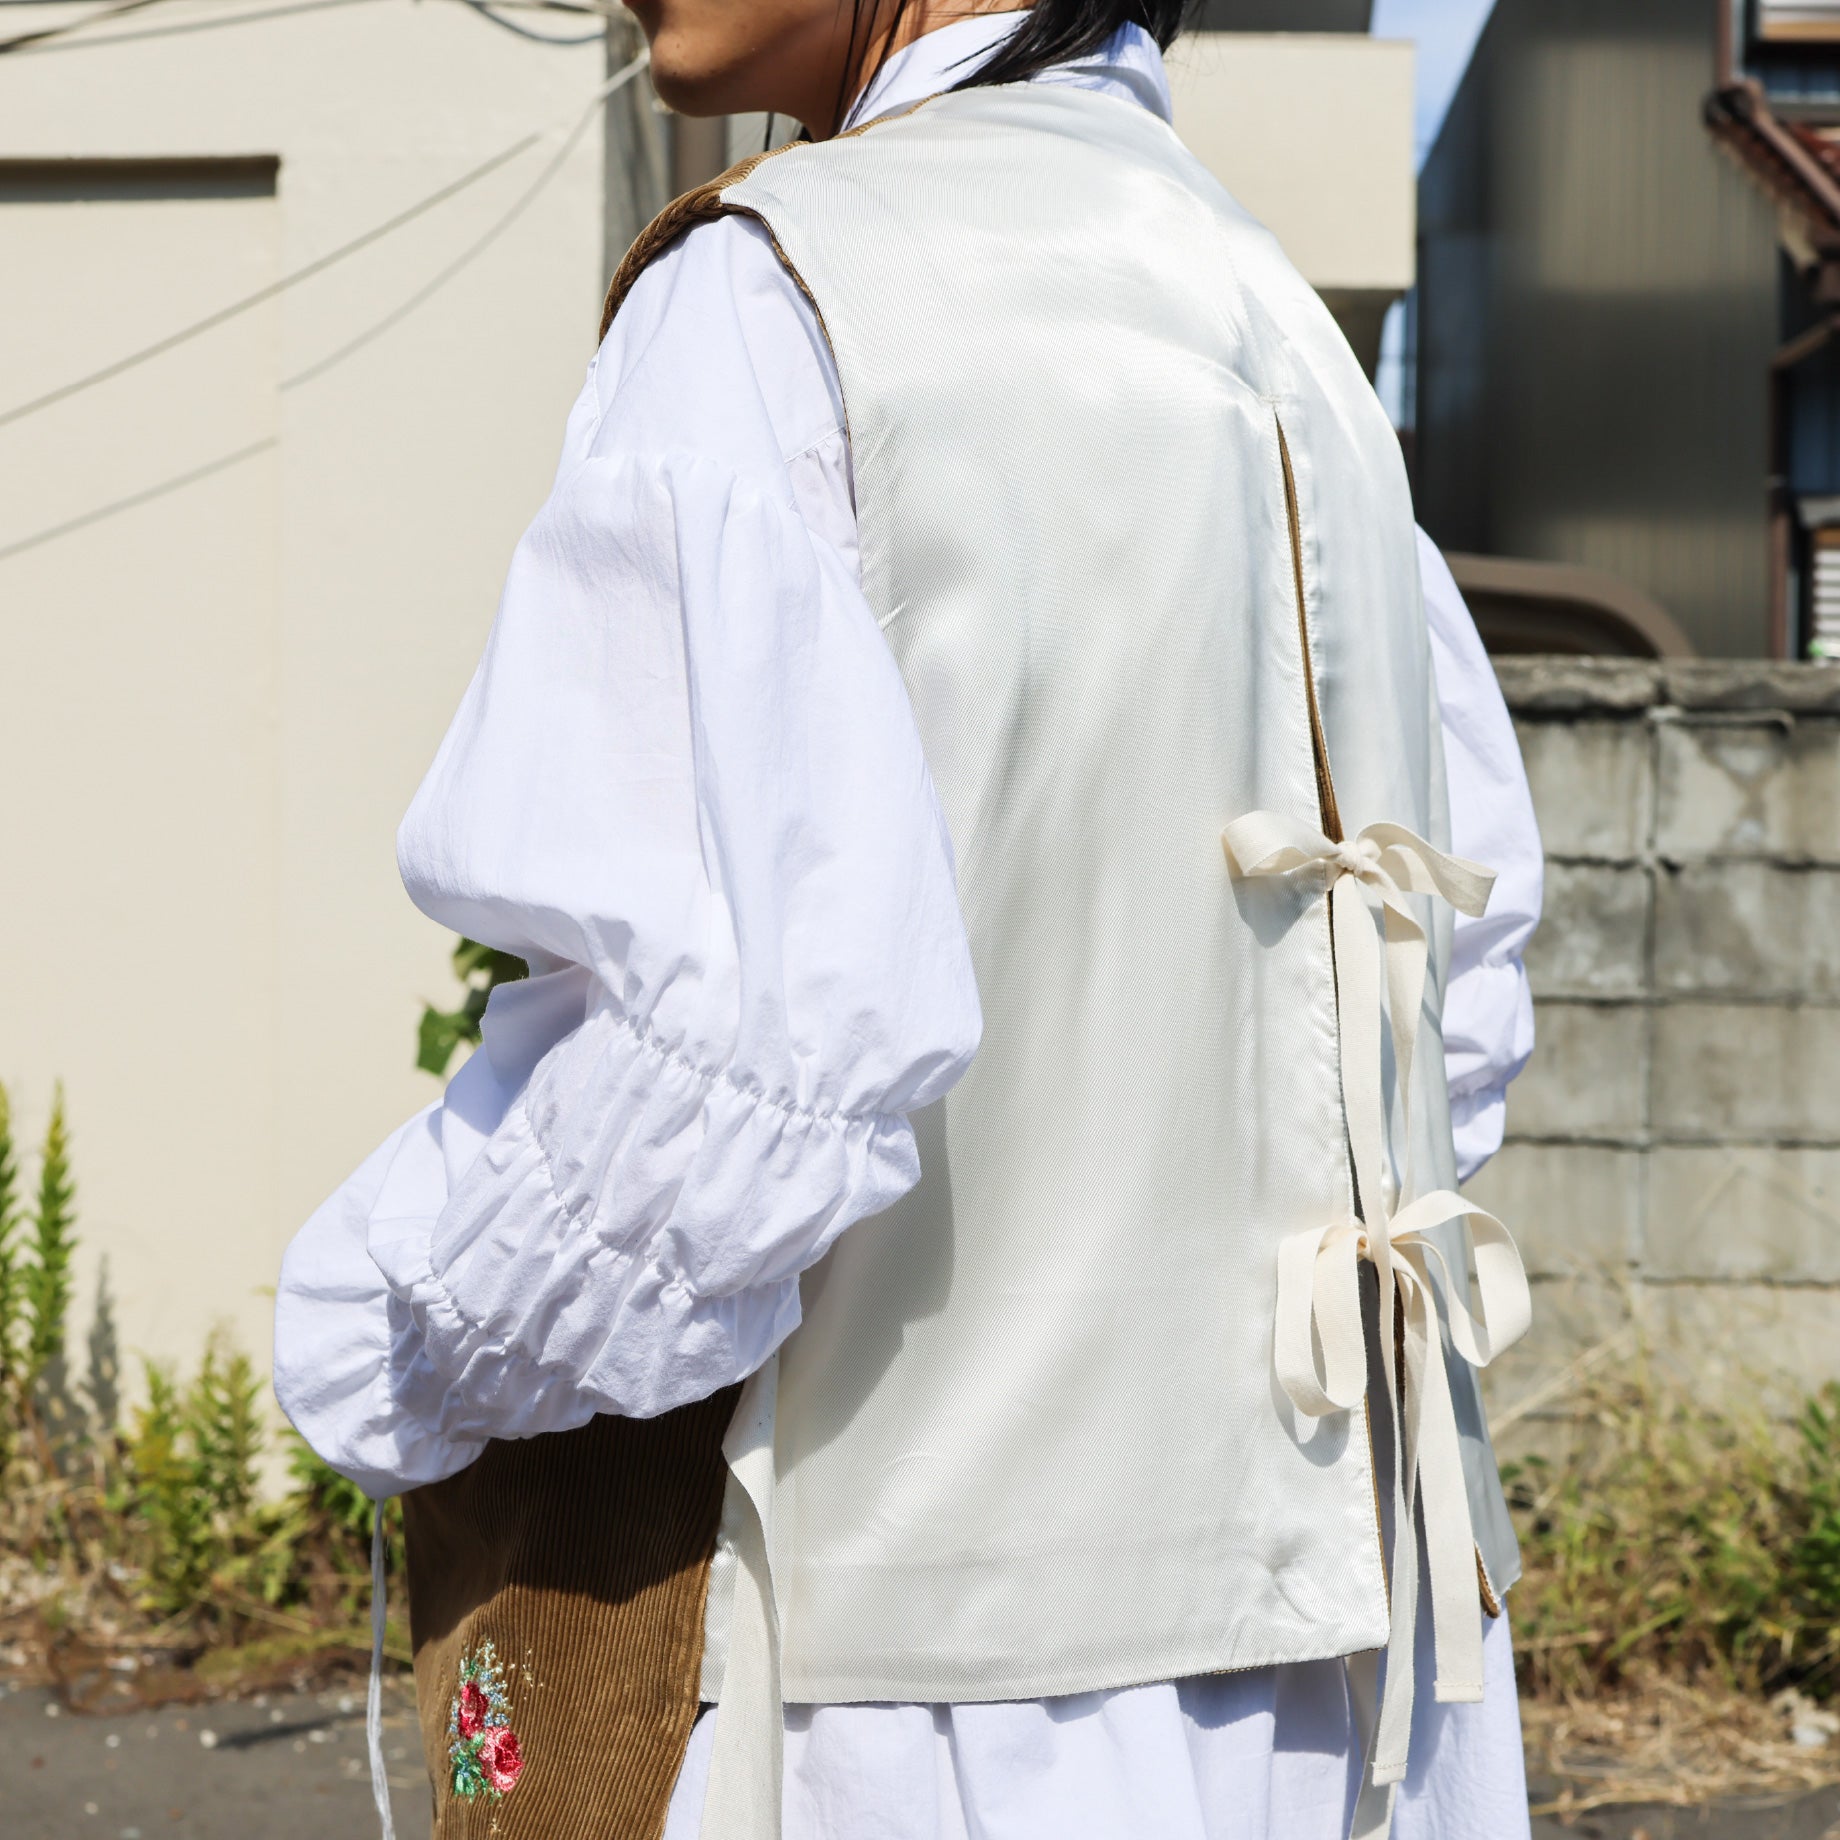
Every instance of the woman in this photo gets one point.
(980, 445)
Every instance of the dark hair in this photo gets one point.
(1057, 31)
(1053, 32)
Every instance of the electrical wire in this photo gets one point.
(45, 34)
(316, 267)
(56, 38)
(181, 28)
(540, 38)
(480, 245)
(618, 81)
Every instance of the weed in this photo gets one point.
(1680, 1537)
(157, 1537)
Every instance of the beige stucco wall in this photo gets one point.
(213, 708)
(1312, 133)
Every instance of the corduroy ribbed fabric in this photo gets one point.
(583, 1557)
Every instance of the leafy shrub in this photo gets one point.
(1682, 1538)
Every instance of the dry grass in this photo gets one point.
(1659, 1741)
(1679, 1615)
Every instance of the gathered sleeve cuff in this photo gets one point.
(630, 1238)
(350, 1371)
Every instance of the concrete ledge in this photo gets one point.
(1720, 683)
(1544, 686)
(1565, 686)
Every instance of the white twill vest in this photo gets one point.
(1030, 1439)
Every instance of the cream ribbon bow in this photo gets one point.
(1319, 1299)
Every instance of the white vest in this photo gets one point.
(1028, 1440)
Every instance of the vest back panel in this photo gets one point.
(1029, 1441)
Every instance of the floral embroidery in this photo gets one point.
(481, 1744)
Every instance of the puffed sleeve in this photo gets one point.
(1488, 1007)
(686, 785)
(687, 766)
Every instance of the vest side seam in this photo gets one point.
(1330, 818)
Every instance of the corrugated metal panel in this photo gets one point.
(1598, 305)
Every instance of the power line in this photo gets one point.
(618, 81)
(212, 320)
(57, 38)
(45, 34)
(541, 38)
(519, 206)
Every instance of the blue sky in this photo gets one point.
(1445, 32)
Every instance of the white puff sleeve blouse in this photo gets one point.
(685, 784)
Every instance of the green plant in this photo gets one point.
(12, 1293)
(160, 1532)
(481, 969)
(1680, 1537)
(54, 1240)
(159, 1496)
(1814, 1558)
(343, 1509)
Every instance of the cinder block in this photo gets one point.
(1574, 1209)
(1737, 1073)
(1748, 928)
(1592, 784)
(1749, 788)
(1588, 1076)
(1724, 1212)
(1593, 937)
(1574, 1319)
(1748, 1344)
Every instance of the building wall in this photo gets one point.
(215, 706)
(1674, 1146)
(1312, 133)
(1597, 308)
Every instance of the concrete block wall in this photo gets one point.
(1673, 1151)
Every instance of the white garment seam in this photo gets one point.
(648, 1040)
(836, 432)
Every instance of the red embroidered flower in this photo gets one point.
(473, 1709)
(503, 1761)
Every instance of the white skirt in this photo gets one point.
(1269, 1754)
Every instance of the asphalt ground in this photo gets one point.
(293, 1766)
(280, 1766)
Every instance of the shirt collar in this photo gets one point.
(1127, 65)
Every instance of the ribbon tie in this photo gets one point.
(1319, 1299)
